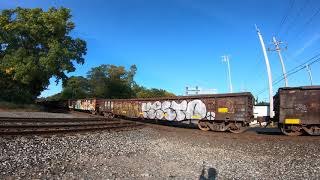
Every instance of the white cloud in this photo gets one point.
(310, 42)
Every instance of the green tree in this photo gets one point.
(107, 81)
(35, 45)
(76, 87)
(142, 92)
(110, 81)
(98, 80)
(262, 103)
(55, 97)
(131, 73)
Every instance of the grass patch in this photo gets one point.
(10, 106)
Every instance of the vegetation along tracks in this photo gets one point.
(13, 125)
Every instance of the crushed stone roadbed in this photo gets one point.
(41, 115)
(160, 152)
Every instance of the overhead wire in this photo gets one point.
(307, 24)
(282, 23)
(297, 16)
(285, 17)
(310, 61)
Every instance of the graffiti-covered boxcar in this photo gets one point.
(218, 112)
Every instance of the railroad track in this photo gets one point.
(13, 125)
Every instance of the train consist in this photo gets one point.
(297, 110)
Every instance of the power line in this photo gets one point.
(310, 61)
(277, 82)
(315, 56)
(289, 74)
(297, 16)
(302, 64)
(285, 17)
(307, 23)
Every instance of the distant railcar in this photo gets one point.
(89, 105)
(297, 109)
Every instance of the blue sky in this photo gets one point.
(179, 43)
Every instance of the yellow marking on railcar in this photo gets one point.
(223, 110)
(165, 114)
(124, 111)
(141, 113)
(196, 116)
(292, 121)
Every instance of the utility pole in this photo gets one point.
(309, 72)
(271, 112)
(225, 58)
(278, 49)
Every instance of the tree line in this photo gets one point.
(107, 81)
(36, 45)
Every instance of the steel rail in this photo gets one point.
(47, 125)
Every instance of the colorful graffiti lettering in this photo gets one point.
(184, 110)
(88, 105)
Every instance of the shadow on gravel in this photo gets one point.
(167, 123)
(255, 130)
(271, 131)
(208, 174)
(267, 131)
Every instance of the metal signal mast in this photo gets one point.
(271, 112)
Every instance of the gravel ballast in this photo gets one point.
(41, 115)
(160, 152)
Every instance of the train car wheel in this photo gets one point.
(203, 125)
(291, 130)
(313, 130)
(238, 128)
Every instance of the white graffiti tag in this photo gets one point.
(194, 109)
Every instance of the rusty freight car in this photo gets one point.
(297, 109)
(217, 112)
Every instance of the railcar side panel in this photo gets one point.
(83, 104)
(227, 107)
(300, 105)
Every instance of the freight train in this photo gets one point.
(297, 110)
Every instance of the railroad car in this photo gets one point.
(297, 110)
(217, 112)
(89, 104)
